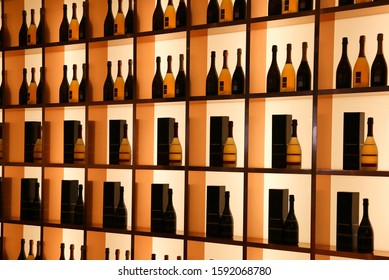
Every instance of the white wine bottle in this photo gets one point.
(229, 149)
(31, 94)
(74, 87)
(125, 148)
(119, 20)
(79, 148)
(288, 76)
(226, 11)
(74, 25)
(169, 16)
(30, 255)
(37, 154)
(369, 151)
(361, 75)
(175, 149)
(293, 151)
(118, 87)
(289, 6)
(31, 33)
(225, 82)
(169, 83)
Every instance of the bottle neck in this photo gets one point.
(182, 63)
(291, 204)
(109, 68)
(65, 11)
(230, 129)
(80, 131)
(274, 58)
(365, 208)
(130, 5)
(24, 16)
(120, 9)
(239, 59)
(109, 6)
(71, 252)
(227, 200)
(62, 256)
(158, 64)
(25, 75)
(74, 16)
(117, 254)
(225, 60)
(75, 72)
(107, 253)
(127, 254)
(38, 248)
(289, 53)
(213, 59)
(121, 199)
(175, 130)
(125, 131)
(370, 128)
(119, 68)
(344, 47)
(39, 132)
(380, 39)
(65, 71)
(130, 67)
(294, 128)
(170, 2)
(80, 191)
(170, 197)
(33, 75)
(84, 71)
(32, 17)
(42, 74)
(31, 245)
(362, 46)
(304, 55)
(169, 63)
(36, 198)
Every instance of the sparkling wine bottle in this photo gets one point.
(118, 87)
(36, 205)
(121, 211)
(158, 17)
(213, 11)
(238, 76)
(31, 33)
(83, 22)
(64, 88)
(169, 217)
(119, 28)
(23, 91)
(79, 148)
(38, 255)
(125, 148)
(79, 209)
(23, 30)
(273, 80)
(175, 149)
(38, 147)
(106, 254)
(64, 27)
(74, 87)
(229, 150)
(224, 82)
(129, 84)
(181, 14)
(291, 226)
(226, 11)
(305, 5)
(22, 252)
(180, 86)
(365, 231)
(62, 252)
(30, 255)
(83, 253)
(369, 151)
(274, 7)
(288, 76)
(127, 255)
(289, 6)
(169, 81)
(108, 84)
(71, 252)
(39, 90)
(129, 21)
(117, 254)
(157, 85)
(169, 16)
(39, 30)
(361, 68)
(82, 90)
(74, 25)
(293, 151)
(304, 72)
(239, 9)
(212, 77)
(343, 71)
(379, 69)
(109, 21)
(32, 88)
(226, 225)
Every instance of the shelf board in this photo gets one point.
(62, 105)
(357, 10)
(282, 20)
(379, 89)
(216, 169)
(110, 166)
(147, 232)
(339, 172)
(196, 236)
(331, 251)
(160, 100)
(279, 170)
(159, 167)
(282, 94)
(217, 97)
(264, 244)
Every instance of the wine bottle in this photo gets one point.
(38, 255)
(158, 17)
(343, 71)
(169, 16)
(71, 252)
(64, 27)
(169, 82)
(212, 82)
(181, 14)
(213, 11)
(169, 217)
(36, 205)
(361, 68)
(74, 87)
(106, 253)
(226, 225)
(238, 76)
(153, 257)
(180, 85)
(166, 257)
(305, 5)
(23, 30)
(239, 9)
(346, 2)
(225, 87)
(369, 151)
(62, 252)
(226, 11)
(175, 149)
(157, 85)
(129, 84)
(23, 91)
(125, 148)
(22, 252)
(291, 226)
(32, 88)
(288, 76)
(119, 20)
(289, 6)
(38, 146)
(31, 32)
(273, 80)
(82, 90)
(118, 87)
(39, 30)
(293, 151)
(121, 211)
(30, 255)
(129, 23)
(74, 25)
(39, 90)
(108, 84)
(229, 149)
(79, 209)
(64, 88)
(79, 148)
(274, 7)
(109, 21)
(365, 231)
(127, 255)
(82, 27)
(304, 72)
(379, 69)
(83, 253)
(117, 254)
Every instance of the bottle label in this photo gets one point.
(116, 28)
(377, 77)
(164, 89)
(302, 4)
(70, 33)
(70, 94)
(29, 38)
(221, 86)
(284, 82)
(286, 5)
(358, 77)
(115, 92)
(166, 21)
(222, 14)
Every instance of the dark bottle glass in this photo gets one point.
(117, 254)
(82, 254)
(158, 17)
(181, 14)
(129, 84)
(127, 255)
(273, 75)
(106, 254)
(1, 87)
(82, 27)
(212, 82)
(226, 225)
(365, 231)
(343, 71)
(39, 30)
(239, 9)
(36, 205)
(379, 69)
(169, 217)
(82, 90)
(129, 21)
(291, 226)
(304, 72)
(1, 37)
(274, 7)
(180, 86)
(22, 253)
(62, 254)
(71, 252)
(64, 27)
(64, 88)
(109, 22)
(213, 11)
(346, 2)
(305, 5)
(79, 209)
(108, 84)
(238, 76)
(23, 30)
(153, 257)
(38, 255)
(39, 90)
(121, 212)
(157, 86)
(23, 91)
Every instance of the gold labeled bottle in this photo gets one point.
(361, 75)
(175, 149)
(38, 147)
(288, 76)
(31, 251)
(31, 33)
(369, 151)
(118, 87)
(229, 150)
(224, 82)
(289, 6)
(169, 82)
(74, 87)
(125, 148)
(74, 25)
(226, 11)
(293, 151)
(119, 20)
(79, 148)
(169, 18)
(32, 88)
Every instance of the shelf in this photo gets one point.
(331, 251)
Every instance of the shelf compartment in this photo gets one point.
(331, 252)
(12, 235)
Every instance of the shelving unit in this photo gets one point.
(319, 112)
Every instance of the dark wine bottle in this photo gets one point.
(62, 254)
(64, 88)
(38, 255)
(82, 27)
(108, 84)
(39, 31)
(343, 71)
(305, 5)
(158, 17)
(109, 21)
(304, 72)
(273, 75)
(274, 7)
(238, 76)
(129, 84)
(212, 82)
(346, 2)
(106, 254)
(239, 9)
(121, 212)
(181, 14)
(71, 252)
(291, 226)
(127, 255)
(169, 217)
(213, 11)
(157, 86)
(64, 27)
(117, 254)
(129, 21)
(23, 30)
(181, 79)
(22, 253)
(83, 253)
(23, 91)
(36, 205)
(79, 209)
(226, 225)
(379, 69)
(39, 90)
(82, 91)
(365, 231)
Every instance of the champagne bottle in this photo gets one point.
(293, 151)
(239, 9)
(82, 90)
(226, 11)
(38, 147)
(361, 68)
(169, 16)
(71, 252)
(365, 231)
(169, 82)
(129, 84)
(31, 256)
(83, 253)
(64, 88)
(119, 20)
(346, 2)
(74, 25)
(82, 27)
(108, 84)
(22, 252)
(125, 148)
(64, 27)
(127, 255)
(175, 149)
(343, 71)
(288, 76)
(109, 21)
(121, 211)
(118, 87)
(305, 5)
(289, 6)
(39, 30)
(229, 149)
(23, 30)
(39, 90)
(158, 17)
(31, 32)
(74, 87)
(117, 254)
(274, 7)
(79, 148)
(379, 69)
(225, 87)
(369, 151)
(62, 252)
(23, 91)
(129, 23)
(212, 77)
(238, 76)
(180, 86)
(273, 80)
(79, 209)
(38, 255)
(106, 254)
(181, 14)
(213, 11)
(166, 257)
(157, 85)
(226, 225)
(169, 217)
(304, 72)
(36, 205)
(32, 89)
(153, 257)
(291, 226)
